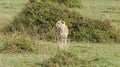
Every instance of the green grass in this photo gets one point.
(8, 9)
(106, 54)
(99, 55)
(21, 60)
(96, 8)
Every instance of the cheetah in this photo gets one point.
(62, 34)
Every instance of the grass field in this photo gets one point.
(97, 9)
(8, 9)
(98, 55)
(95, 54)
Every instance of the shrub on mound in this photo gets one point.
(39, 18)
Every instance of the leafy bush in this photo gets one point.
(39, 18)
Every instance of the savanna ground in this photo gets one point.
(94, 54)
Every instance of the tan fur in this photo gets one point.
(62, 34)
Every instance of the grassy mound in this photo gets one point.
(39, 18)
(70, 59)
(62, 59)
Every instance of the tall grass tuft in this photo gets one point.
(62, 58)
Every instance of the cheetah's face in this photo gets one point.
(60, 24)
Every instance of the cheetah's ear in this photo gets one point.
(63, 22)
